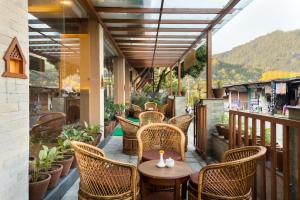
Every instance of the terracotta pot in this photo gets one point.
(225, 132)
(37, 190)
(220, 128)
(106, 130)
(219, 93)
(74, 162)
(55, 173)
(279, 153)
(66, 162)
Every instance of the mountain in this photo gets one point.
(275, 51)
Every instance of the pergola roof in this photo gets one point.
(159, 33)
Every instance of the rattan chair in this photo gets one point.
(230, 179)
(129, 135)
(48, 127)
(102, 178)
(183, 122)
(136, 110)
(149, 117)
(150, 106)
(163, 108)
(159, 136)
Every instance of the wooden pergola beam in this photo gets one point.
(145, 29)
(158, 42)
(151, 49)
(157, 10)
(153, 21)
(152, 46)
(75, 42)
(154, 36)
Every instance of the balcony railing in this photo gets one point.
(254, 129)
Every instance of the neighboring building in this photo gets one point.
(258, 96)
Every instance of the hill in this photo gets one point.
(278, 50)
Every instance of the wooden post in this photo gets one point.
(179, 78)
(209, 66)
(171, 81)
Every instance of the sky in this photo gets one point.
(259, 18)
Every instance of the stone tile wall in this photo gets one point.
(14, 106)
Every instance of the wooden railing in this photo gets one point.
(253, 129)
(200, 128)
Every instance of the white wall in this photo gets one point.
(14, 106)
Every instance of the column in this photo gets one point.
(179, 78)
(127, 84)
(119, 80)
(209, 65)
(91, 46)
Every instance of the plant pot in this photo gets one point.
(225, 132)
(55, 173)
(74, 162)
(106, 130)
(37, 190)
(113, 124)
(220, 128)
(219, 93)
(66, 162)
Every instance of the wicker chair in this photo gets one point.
(150, 117)
(183, 122)
(102, 178)
(129, 138)
(48, 127)
(163, 108)
(230, 179)
(150, 106)
(136, 110)
(158, 136)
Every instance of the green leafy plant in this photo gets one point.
(48, 156)
(92, 129)
(35, 175)
(64, 144)
(119, 109)
(219, 84)
(77, 134)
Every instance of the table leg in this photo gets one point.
(177, 190)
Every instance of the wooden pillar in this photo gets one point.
(179, 78)
(127, 84)
(171, 81)
(209, 66)
(119, 80)
(90, 63)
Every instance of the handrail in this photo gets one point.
(241, 135)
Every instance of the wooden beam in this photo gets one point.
(151, 50)
(152, 46)
(228, 9)
(209, 65)
(157, 10)
(154, 36)
(56, 20)
(158, 42)
(145, 29)
(153, 21)
(59, 42)
(179, 79)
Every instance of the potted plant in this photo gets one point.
(222, 125)
(219, 91)
(65, 148)
(94, 131)
(106, 125)
(38, 182)
(66, 161)
(47, 157)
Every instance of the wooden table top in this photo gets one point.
(180, 170)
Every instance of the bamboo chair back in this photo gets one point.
(136, 110)
(102, 178)
(150, 106)
(233, 178)
(149, 117)
(159, 136)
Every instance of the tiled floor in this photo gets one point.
(113, 150)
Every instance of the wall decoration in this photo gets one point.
(14, 61)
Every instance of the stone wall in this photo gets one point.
(14, 106)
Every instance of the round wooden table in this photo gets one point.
(175, 177)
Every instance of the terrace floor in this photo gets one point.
(113, 150)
